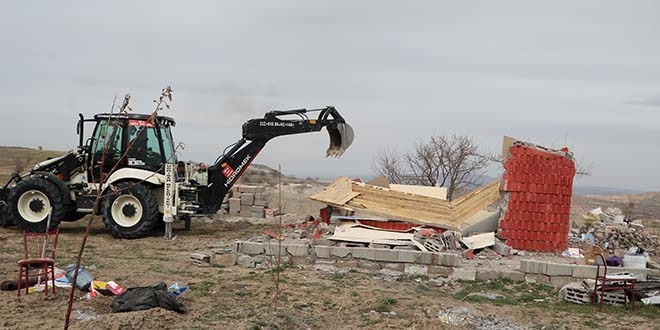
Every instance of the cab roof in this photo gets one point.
(137, 116)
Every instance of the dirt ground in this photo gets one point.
(241, 298)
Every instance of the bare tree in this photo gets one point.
(581, 169)
(387, 163)
(454, 162)
(462, 162)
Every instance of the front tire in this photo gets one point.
(131, 211)
(30, 201)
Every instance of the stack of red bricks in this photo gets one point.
(540, 185)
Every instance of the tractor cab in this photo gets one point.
(128, 140)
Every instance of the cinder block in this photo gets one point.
(464, 274)
(580, 271)
(410, 256)
(540, 267)
(341, 252)
(363, 253)
(386, 255)
(322, 251)
(257, 212)
(272, 248)
(250, 248)
(226, 260)
(247, 199)
(527, 266)
(416, 269)
(234, 212)
(555, 269)
(297, 250)
(448, 259)
(260, 202)
(266, 196)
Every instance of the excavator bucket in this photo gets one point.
(341, 137)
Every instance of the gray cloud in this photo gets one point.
(552, 72)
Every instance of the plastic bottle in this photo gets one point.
(84, 279)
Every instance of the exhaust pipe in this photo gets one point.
(341, 137)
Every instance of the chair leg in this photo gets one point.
(52, 277)
(633, 296)
(20, 278)
(46, 279)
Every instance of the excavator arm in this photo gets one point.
(257, 132)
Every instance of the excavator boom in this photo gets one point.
(227, 168)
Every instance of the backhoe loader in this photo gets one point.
(125, 172)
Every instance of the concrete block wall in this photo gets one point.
(249, 201)
(557, 274)
(336, 257)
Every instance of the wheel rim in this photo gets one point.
(33, 206)
(126, 210)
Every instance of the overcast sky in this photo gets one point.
(582, 74)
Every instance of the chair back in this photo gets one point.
(40, 245)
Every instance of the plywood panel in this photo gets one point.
(408, 206)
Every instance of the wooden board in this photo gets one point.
(337, 193)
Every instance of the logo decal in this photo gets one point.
(227, 171)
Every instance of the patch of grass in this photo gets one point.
(201, 288)
(591, 324)
(385, 305)
(367, 321)
(514, 293)
(422, 288)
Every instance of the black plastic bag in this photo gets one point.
(137, 299)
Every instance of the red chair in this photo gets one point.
(605, 283)
(38, 259)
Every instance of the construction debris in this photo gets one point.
(398, 205)
(479, 241)
(613, 237)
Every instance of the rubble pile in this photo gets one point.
(617, 236)
(610, 231)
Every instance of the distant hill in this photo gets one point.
(594, 190)
(21, 159)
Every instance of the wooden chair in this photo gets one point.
(38, 259)
(605, 283)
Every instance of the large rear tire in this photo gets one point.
(130, 212)
(29, 202)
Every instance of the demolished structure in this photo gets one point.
(414, 208)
